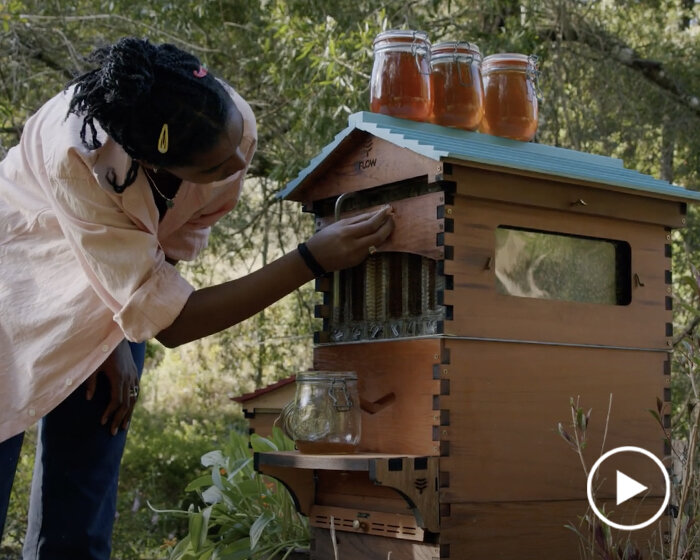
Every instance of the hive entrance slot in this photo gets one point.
(382, 524)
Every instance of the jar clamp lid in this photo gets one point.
(325, 376)
(509, 61)
(402, 39)
(456, 50)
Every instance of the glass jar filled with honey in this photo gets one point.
(456, 86)
(400, 84)
(324, 416)
(510, 95)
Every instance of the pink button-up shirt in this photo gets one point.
(82, 267)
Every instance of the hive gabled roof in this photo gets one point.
(443, 143)
(264, 390)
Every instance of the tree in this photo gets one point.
(618, 78)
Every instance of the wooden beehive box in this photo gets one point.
(518, 277)
(262, 407)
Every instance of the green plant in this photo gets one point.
(245, 514)
(596, 540)
(685, 533)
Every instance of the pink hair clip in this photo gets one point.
(200, 73)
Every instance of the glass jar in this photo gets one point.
(456, 86)
(510, 103)
(324, 416)
(400, 84)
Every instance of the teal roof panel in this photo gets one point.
(439, 143)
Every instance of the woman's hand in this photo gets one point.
(122, 374)
(339, 245)
(347, 242)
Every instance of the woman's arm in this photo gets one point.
(215, 308)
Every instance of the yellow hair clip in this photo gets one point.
(163, 139)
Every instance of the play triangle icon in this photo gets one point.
(627, 488)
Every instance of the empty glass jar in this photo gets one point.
(324, 416)
(456, 86)
(510, 89)
(400, 84)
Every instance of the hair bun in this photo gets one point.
(127, 70)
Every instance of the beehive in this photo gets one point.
(518, 277)
(262, 407)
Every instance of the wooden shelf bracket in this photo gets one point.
(414, 478)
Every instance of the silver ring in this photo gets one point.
(134, 392)
(372, 249)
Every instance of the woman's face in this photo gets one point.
(222, 160)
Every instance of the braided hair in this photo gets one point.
(138, 87)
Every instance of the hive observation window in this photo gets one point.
(557, 266)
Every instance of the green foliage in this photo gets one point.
(619, 78)
(686, 356)
(163, 449)
(245, 514)
(16, 523)
(596, 539)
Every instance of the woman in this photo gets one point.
(114, 180)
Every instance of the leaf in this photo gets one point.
(305, 51)
(282, 442)
(580, 420)
(655, 415)
(261, 444)
(198, 526)
(563, 433)
(213, 458)
(239, 550)
(257, 528)
(600, 539)
(249, 487)
(180, 552)
(240, 466)
(212, 495)
(216, 477)
(195, 529)
(198, 483)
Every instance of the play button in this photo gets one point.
(645, 467)
(627, 487)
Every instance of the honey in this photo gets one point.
(400, 83)
(456, 85)
(510, 96)
(325, 447)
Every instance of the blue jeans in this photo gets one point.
(74, 487)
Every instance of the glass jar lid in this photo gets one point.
(456, 50)
(401, 39)
(509, 61)
(325, 376)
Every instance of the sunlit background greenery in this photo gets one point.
(618, 78)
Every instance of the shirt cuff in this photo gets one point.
(155, 305)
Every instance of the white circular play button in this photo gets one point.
(627, 487)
